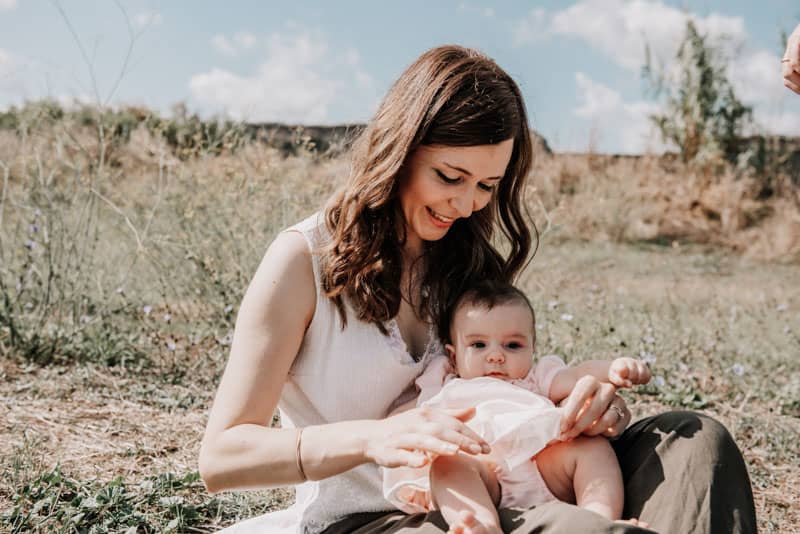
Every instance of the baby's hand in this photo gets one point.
(625, 372)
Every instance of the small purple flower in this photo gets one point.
(659, 381)
(33, 228)
(228, 308)
(171, 346)
(649, 339)
(737, 369)
(119, 290)
(37, 212)
(552, 304)
(167, 317)
(85, 319)
(782, 307)
(647, 357)
(30, 244)
(147, 309)
(566, 317)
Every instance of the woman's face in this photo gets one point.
(440, 184)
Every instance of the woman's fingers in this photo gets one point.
(466, 438)
(583, 391)
(593, 409)
(791, 80)
(614, 421)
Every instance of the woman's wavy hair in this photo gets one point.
(451, 96)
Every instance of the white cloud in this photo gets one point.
(779, 122)
(621, 30)
(7, 5)
(534, 27)
(467, 7)
(245, 40)
(299, 81)
(147, 18)
(755, 77)
(223, 44)
(624, 125)
(231, 46)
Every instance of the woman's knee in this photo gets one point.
(702, 432)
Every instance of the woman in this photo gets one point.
(337, 324)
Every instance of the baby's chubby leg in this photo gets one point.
(584, 471)
(467, 493)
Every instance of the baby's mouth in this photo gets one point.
(497, 374)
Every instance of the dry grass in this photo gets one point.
(180, 240)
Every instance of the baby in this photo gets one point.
(490, 366)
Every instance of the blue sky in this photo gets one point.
(577, 62)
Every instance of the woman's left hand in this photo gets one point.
(593, 408)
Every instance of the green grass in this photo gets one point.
(115, 328)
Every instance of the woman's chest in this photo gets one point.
(415, 333)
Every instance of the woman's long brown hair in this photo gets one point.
(451, 96)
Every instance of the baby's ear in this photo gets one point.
(451, 352)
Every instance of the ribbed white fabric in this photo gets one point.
(338, 375)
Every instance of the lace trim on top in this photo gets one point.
(400, 349)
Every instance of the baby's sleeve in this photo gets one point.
(432, 379)
(546, 369)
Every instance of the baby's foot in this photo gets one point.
(467, 523)
(633, 521)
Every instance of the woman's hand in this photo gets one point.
(790, 64)
(593, 408)
(411, 438)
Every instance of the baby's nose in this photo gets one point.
(495, 356)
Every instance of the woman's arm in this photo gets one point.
(239, 449)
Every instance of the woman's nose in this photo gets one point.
(464, 203)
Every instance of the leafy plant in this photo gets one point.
(702, 115)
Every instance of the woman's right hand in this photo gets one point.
(790, 64)
(413, 437)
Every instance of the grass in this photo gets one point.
(115, 323)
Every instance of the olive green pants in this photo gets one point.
(683, 474)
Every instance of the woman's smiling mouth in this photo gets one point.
(440, 220)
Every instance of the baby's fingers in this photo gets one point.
(616, 378)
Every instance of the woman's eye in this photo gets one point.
(486, 187)
(446, 179)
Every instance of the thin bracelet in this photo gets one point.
(298, 458)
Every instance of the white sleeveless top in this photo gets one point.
(339, 375)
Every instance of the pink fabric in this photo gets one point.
(515, 417)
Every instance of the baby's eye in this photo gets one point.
(478, 345)
(514, 345)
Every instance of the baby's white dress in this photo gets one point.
(515, 417)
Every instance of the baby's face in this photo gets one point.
(497, 342)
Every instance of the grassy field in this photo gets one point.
(122, 268)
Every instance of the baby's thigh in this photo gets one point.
(460, 468)
(558, 462)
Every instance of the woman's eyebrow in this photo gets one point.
(465, 171)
